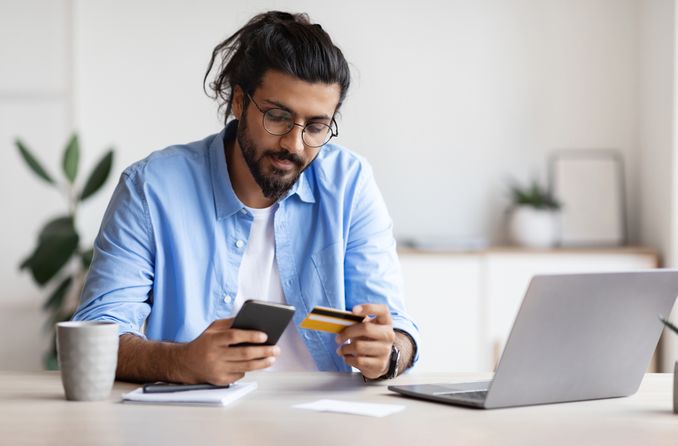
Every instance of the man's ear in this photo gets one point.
(237, 102)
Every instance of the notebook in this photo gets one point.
(209, 397)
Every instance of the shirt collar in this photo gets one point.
(226, 202)
(302, 188)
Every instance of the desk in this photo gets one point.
(33, 411)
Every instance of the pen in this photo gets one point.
(161, 387)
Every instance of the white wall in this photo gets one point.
(35, 104)
(657, 205)
(655, 148)
(449, 99)
(454, 97)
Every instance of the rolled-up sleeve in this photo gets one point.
(372, 268)
(118, 287)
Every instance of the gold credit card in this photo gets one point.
(330, 320)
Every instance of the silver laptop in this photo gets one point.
(576, 337)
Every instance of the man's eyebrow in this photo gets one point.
(284, 107)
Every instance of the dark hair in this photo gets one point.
(279, 41)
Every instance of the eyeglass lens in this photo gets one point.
(280, 122)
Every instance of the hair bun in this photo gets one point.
(274, 17)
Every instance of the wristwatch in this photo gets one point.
(393, 362)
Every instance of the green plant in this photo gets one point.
(668, 324)
(59, 261)
(533, 195)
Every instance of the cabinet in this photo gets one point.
(442, 295)
(465, 303)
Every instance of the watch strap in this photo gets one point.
(393, 361)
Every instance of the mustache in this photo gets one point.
(286, 156)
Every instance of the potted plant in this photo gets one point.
(59, 261)
(674, 329)
(533, 220)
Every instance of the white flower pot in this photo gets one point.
(534, 228)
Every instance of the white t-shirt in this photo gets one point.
(259, 279)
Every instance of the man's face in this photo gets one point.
(276, 162)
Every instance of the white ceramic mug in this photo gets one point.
(88, 356)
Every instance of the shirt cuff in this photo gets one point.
(123, 331)
(408, 328)
(415, 348)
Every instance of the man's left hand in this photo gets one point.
(370, 348)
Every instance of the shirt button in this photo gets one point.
(239, 243)
(228, 299)
(243, 211)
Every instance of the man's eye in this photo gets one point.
(277, 116)
(316, 128)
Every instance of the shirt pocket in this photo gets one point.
(329, 265)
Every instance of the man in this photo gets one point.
(267, 210)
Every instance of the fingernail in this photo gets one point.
(276, 350)
(262, 337)
(271, 360)
(358, 309)
(338, 339)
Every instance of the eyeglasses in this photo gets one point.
(279, 122)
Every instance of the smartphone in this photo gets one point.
(271, 318)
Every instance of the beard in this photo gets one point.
(274, 183)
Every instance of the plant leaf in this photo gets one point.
(57, 297)
(50, 256)
(669, 324)
(57, 243)
(32, 162)
(50, 361)
(26, 262)
(533, 195)
(60, 226)
(58, 315)
(98, 176)
(71, 158)
(86, 258)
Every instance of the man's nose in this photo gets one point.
(293, 140)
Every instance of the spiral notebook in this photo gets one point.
(209, 397)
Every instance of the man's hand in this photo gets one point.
(213, 358)
(370, 348)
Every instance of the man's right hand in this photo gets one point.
(213, 358)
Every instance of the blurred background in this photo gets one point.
(449, 101)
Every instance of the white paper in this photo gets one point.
(369, 409)
(213, 397)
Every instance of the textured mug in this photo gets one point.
(88, 356)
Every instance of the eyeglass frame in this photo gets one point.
(334, 132)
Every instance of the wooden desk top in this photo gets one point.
(33, 411)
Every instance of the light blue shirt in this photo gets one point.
(174, 234)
